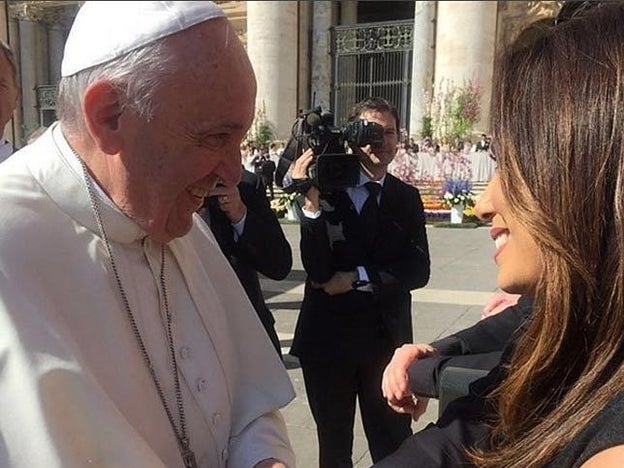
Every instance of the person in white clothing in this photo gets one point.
(126, 338)
(9, 91)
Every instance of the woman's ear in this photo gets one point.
(102, 108)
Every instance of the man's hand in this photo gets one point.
(229, 201)
(300, 171)
(395, 385)
(340, 283)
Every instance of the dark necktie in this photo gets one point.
(370, 211)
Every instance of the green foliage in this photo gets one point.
(261, 133)
(427, 126)
(455, 109)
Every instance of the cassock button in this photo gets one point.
(202, 385)
(185, 352)
(224, 454)
(216, 419)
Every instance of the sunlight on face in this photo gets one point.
(193, 142)
(517, 254)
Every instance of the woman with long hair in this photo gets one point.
(556, 206)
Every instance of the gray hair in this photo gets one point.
(138, 75)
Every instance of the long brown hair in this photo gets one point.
(559, 143)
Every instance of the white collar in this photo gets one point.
(364, 179)
(53, 164)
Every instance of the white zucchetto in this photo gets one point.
(106, 30)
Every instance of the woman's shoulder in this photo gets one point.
(612, 457)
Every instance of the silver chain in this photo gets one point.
(181, 433)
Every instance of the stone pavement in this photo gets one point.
(463, 277)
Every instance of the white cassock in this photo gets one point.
(74, 388)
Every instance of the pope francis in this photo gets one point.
(126, 339)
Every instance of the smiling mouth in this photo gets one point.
(500, 236)
(501, 240)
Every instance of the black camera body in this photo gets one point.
(333, 168)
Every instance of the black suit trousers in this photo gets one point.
(332, 389)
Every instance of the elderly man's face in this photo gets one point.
(193, 142)
(8, 92)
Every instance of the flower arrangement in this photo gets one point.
(457, 192)
(281, 204)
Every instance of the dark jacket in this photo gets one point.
(462, 425)
(477, 347)
(262, 248)
(397, 261)
(464, 422)
(482, 146)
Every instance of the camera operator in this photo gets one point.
(362, 254)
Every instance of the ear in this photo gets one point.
(102, 108)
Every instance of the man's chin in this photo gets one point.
(171, 231)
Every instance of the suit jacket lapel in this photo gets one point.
(220, 226)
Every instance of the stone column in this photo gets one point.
(303, 75)
(348, 70)
(348, 12)
(321, 54)
(4, 35)
(465, 47)
(272, 48)
(56, 44)
(28, 66)
(422, 64)
(4, 27)
(16, 125)
(41, 54)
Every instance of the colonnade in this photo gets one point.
(452, 41)
(36, 34)
(289, 45)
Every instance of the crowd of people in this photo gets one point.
(132, 236)
(433, 146)
(263, 161)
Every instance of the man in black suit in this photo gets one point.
(483, 144)
(364, 249)
(267, 173)
(251, 238)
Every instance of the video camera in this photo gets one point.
(332, 169)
